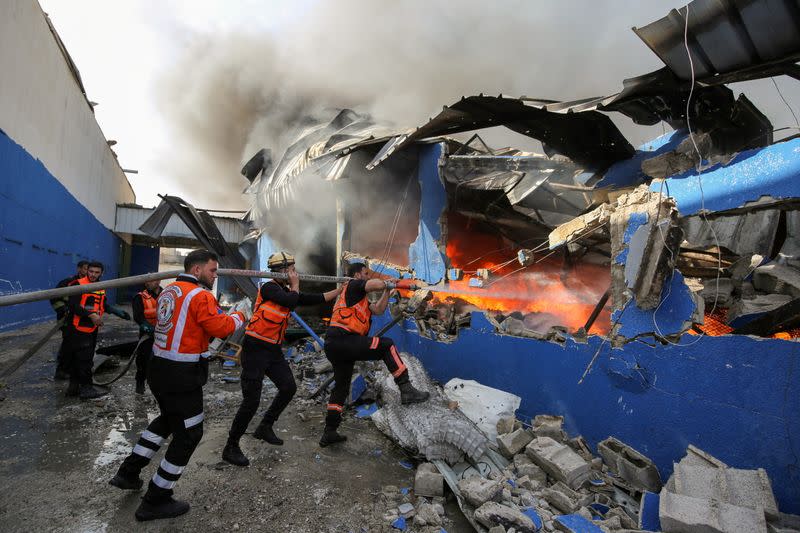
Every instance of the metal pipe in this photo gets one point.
(597, 309)
(47, 294)
(320, 343)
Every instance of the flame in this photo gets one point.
(544, 293)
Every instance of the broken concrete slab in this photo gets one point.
(493, 514)
(549, 426)
(745, 310)
(742, 488)
(564, 498)
(776, 278)
(427, 516)
(685, 514)
(506, 424)
(525, 466)
(630, 465)
(428, 481)
(558, 460)
(477, 490)
(512, 443)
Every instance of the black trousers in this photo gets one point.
(78, 355)
(60, 366)
(182, 418)
(259, 359)
(143, 356)
(343, 351)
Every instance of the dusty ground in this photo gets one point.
(57, 454)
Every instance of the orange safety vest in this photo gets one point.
(93, 302)
(269, 321)
(150, 306)
(355, 319)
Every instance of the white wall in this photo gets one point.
(43, 109)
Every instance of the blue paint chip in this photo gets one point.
(400, 524)
(531, 513)
(648, 512)
(366, 411)
(405, 490)
(512, 483)
(599, 508)
(575, 523)
(229, 364)
(408, 465)
(357, 387)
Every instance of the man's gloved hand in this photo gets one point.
(407, 284)
(146, 328)
(114, 310)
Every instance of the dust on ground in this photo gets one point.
(57, 455)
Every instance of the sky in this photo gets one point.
(191, 89)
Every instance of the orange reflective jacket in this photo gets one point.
(150, 307)
(93, 302)
(187, 316)
(269, 321)
(355, 319)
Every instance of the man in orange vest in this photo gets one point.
(347, 342)
(82, 322)
(262, 355)
(187, 315)
(144, 314)
(60, 306)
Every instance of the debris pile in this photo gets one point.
(535, 477)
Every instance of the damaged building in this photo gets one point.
(650, 293)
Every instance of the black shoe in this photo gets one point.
(331, 437)
(73, 389)
(233, 454)
(155, 511)
(88, 392)
(264, 432)
(140, 387)
(61, 375)
(408, 394)
(125, 483)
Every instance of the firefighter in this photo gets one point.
(187, 315)
(82, 322)
(347, 342)
(144, 314)
(59, 305)
(261, 354)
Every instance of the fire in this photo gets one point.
(545, 294)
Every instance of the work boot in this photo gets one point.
(408, 394)
(88, 392)
(264, 432)
(233, 454)
(125, 483)
(140, 387)
(155, 511)
(61, 375)
(330, 436)
(73, 389)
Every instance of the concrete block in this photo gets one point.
(493, 514)
(428, 481)
(525, 466)
(573, 523)
(684, 514)
(506, 424)
(742, 488)
(630, 465)
(427, 516)
(477, 490)
(549, 426)
(564, 498)
(512, 443)
(558, 460)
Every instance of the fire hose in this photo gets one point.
(127, 365)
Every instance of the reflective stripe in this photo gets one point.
(274, 312)
(161, 482)
(171, 468)
(158, 440)
(260, 337)
(334, 407)
(176, 356)
(375, 342)
(238, 320)
(401, 367)
(189, 422)
(181, 322)
(144, 452)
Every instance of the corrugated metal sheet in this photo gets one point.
(129, 218)
(725, 35)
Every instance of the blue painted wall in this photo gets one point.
(735, 397)
(144, 259)
(44, 232)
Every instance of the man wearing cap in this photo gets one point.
(262, 355)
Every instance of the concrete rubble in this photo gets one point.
(558, 460)
(428, 481)
(629, 464)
